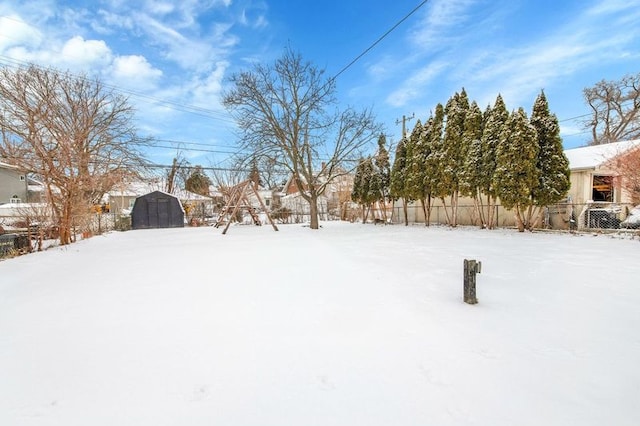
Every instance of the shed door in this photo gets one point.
(163, 213)
(159, 213)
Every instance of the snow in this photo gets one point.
(348, 325)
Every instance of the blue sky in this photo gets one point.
(174, 58)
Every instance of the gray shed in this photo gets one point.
(157, 210)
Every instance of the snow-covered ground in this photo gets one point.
(349, 325)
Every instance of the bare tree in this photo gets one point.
(177, 171)
(284, 113)
(615, 107)
(627, 166)
(74, 133)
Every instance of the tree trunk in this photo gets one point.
(446, 210)
(454, 209)
(406, 212)
(519, 221)
(491, 210)
(424, 212)
(383, 204)
(65, 226)
(313, 211)
(479, 206)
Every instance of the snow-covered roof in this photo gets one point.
(7, 166)
(183, 194)
(590, 157)
(134, 189)
(20, 209)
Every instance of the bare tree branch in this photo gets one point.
(615, 107)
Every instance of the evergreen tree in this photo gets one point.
(413, 183)
(454, 151)
(398, 177)
(495, 120)
(434, 164)
(516, 175)
(471, 172)
(358, 183)
(383, 173)
(552, 164)
(418, 184)
(198, 182)
(364, 189)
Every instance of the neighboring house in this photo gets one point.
(195, 205)
(593, 172)
(14, 186)
(122, 197)
(291, 200)
(597, 195)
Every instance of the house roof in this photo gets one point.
(590, 157)
(8, 166)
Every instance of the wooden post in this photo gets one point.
(471, 268)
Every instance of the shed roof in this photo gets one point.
(590, 157)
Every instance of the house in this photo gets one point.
(291, 201)
(14, 186)
(594, 174)
(123, 196)
(597, 193)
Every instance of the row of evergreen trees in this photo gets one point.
(487, 156)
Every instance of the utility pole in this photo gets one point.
(403, 121)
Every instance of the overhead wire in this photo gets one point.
(382, 37)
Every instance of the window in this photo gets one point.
(15, 200)
(23, 178)
(602, 188)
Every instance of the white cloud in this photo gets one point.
(106, 22)
(414, 87)
(16, 32)
(80, 53)
(159, 7)
(608, 7)
(207, 90)
(135, 71)
(441, 15)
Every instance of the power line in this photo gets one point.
(210, 151)
(574, 118)
(177, 142)
(382, 37)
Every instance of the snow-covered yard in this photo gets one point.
(348, 325)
